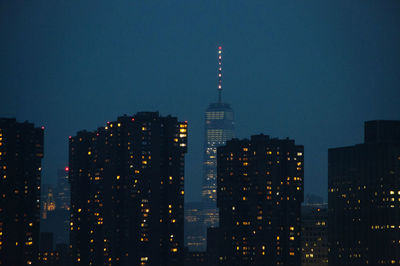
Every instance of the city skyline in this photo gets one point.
(306, 71)
(193, 133)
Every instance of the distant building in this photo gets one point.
(260, 191)
(55, 257)
(219, 127)
(55, 208)
(48, 202)
(62, 213)
(312, 199)
(21, 153)
(62, 193)
(195, 258)
(314, 235)
(127, 192)
(364, 198)
(194, 237)
(49, 258)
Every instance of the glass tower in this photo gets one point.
(219, 127)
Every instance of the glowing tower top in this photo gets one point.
(219, 74)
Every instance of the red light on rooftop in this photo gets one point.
(220, 47)
(66, 169)
(133, 119)
(43, 127)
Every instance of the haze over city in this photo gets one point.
(312, 71)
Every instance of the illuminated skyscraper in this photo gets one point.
(364, 198)
(127, 192)
(219, 127)
(21, 153)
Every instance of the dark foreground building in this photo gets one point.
(127, 192)
(314, 235)
(21, 153)
(364, 198)
(195, 258)
(260, 191)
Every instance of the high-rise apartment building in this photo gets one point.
(314, 235)
(127, 192)
(364, 198)
(21, 153)
(219, 127)
(260, 191)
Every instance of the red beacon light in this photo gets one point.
(220, 47)
(66, 169)
(42, 127)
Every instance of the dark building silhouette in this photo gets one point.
(195, 258)
(219, 127)
(21, 153)
(55, 257)
(364, 198)
(127, 192)
(314, 234)
(260, 191)
(214, 245)
(46, 240)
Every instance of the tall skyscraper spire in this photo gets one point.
(219, 127)
(219, 74)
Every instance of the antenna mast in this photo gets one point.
(219, 74)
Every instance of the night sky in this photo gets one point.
(310, 70)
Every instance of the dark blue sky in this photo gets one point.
(309, 70)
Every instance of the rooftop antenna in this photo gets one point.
(219, 74)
